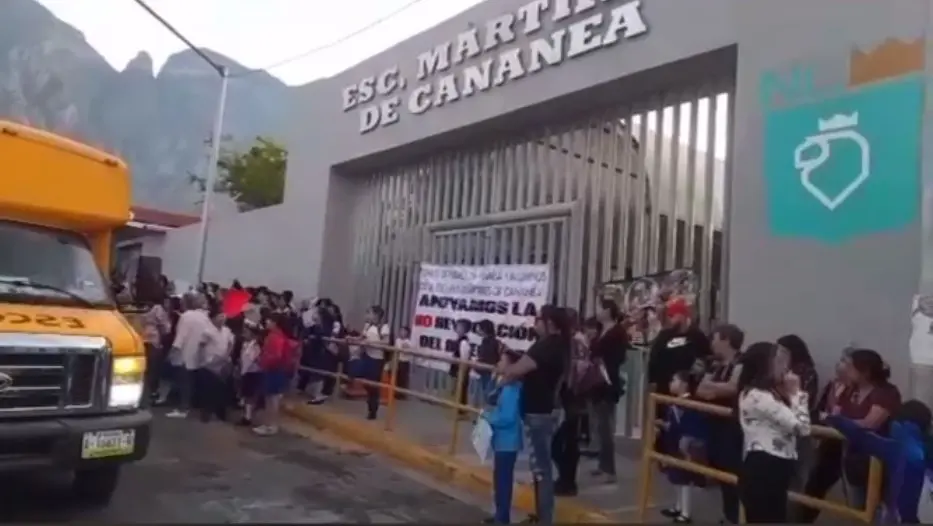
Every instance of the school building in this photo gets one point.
(775, 147)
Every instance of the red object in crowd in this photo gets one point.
(278, 351)
(677, 306)
(235, 302)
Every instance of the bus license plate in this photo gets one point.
(113, 443)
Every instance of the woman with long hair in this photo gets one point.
(801, 364)
(609, 349)
(773, 411)
(868, 399)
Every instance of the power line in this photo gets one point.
(331, 44)
(165, 23)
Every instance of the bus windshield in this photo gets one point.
(49, 266)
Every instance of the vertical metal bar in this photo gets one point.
(363, 213)
(528, 238)
(522, 174)
(578, 218)
(393, 383)
(391, 251)
(640, 189)
(510, 176)
(502, 242)
(657, 181)
(448, 184)
(540, 248)
(564, 261)
(486, 179)
(552, 160)
(568, 140)
(693, 152)
(474, 163)
(626, 193)
(726, 192)
(597, 151)
(610, 197)
(542, 177)
(670, 254)
(550, 255)
(460, 248)
(462, 371)
(437, 194)
(379, 267)
(403, 303)
(709, 174)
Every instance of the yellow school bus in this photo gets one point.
(71, 367)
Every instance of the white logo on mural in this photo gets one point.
(839, 127)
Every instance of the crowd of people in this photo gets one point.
(776, 397)
(214, 349)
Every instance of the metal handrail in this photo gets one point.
(649, 457)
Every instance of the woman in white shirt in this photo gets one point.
(375, 331)
(250, 374)
(773, 412)
(216, 368)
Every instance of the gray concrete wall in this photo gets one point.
(832, 294)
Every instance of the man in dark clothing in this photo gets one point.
(720, 386)
(677, 348)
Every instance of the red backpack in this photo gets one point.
(278, 352)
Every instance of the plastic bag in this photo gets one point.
(482, 439)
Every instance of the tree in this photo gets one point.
(254, 178)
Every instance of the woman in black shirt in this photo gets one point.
(541, 371)
(609, 349)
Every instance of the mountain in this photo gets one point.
(159, 122)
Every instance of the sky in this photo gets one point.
(255, 33)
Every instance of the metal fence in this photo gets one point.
(626, 191)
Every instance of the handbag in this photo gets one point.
(590, 375)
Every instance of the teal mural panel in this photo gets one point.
(847, 165)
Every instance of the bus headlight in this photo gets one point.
(126, 383)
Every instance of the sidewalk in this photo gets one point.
(430, 427)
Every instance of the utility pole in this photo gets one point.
(211, 178)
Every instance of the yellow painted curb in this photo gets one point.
(473, 478)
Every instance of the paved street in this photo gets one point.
(216, 473)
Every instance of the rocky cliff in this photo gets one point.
(158, 122)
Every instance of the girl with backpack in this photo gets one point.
(277, 362)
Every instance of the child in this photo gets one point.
(375, 331)
(355, 368)
(277, 360)
(403, 341)
(504, 417)
(683, 435)
(462, 351)
(250, 374)
(906, 455)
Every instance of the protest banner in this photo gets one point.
(510, 296)
(642, 299)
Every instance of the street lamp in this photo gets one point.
(211, 179)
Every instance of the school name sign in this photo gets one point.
(443, 76)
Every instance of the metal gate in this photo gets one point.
(627, 191)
